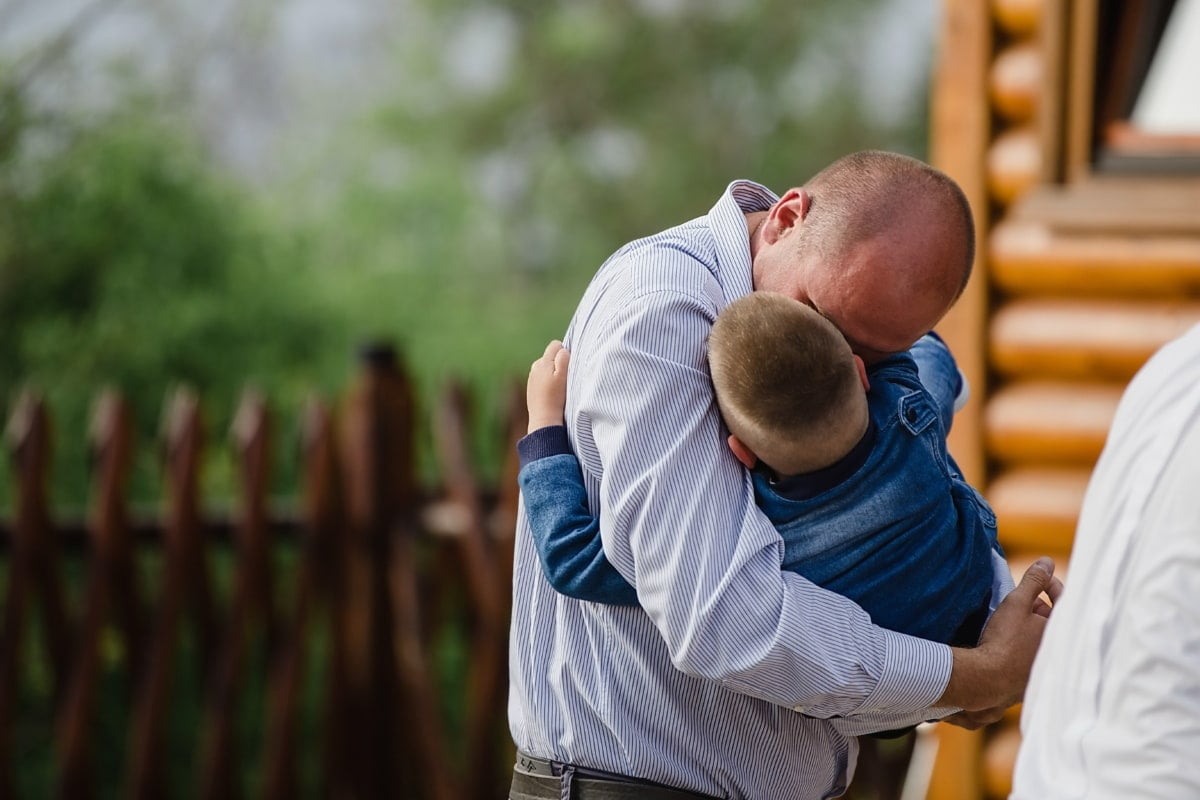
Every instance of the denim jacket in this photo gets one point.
(893, 525)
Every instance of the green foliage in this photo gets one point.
(127, 261)
(477, 208)
(614, 122)
(461, 220)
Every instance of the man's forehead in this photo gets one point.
(872, 332)
(867, 352)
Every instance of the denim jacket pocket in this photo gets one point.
(916, 412)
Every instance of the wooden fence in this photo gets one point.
(340, 643)
(382, 571)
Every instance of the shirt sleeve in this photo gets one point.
(1146, 732)
(678, 521)
(566, 535)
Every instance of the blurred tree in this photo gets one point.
(126, 260)
(532, 139)
(523, 143)
(549, 127)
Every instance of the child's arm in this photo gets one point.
(940, 376)
(565, 533)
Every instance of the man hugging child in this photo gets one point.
(849, 462)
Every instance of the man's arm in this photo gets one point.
(940, 376)
(679, 522)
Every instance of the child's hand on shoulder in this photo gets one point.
(546, 391)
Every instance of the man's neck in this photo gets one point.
(754, 222)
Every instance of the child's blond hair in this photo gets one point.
(786, 382)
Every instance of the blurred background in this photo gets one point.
(271, 275)
(227, 192)
(213, 197)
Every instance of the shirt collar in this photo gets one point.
(727, 220)
(811, 484)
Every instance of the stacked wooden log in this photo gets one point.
(1081, 287)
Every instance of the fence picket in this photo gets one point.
(489, 604)
(251, 610)
(28, 435)
(184, 581)
(429, 773)
(366, 620)
(110, 597)
(319, 565)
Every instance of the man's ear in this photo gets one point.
(741, 452)
(786, 214)
(862, 372)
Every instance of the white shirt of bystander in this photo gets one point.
(1113, 705)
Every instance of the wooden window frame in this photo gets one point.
(1154, 188)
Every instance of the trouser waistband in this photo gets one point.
(538, 779)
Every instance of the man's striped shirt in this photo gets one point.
(733, 679)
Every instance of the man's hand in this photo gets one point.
(546, 392)
(988, 679)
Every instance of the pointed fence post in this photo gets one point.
(370, 765)
(184, 582)
(33, 570)
(251, 609)
(317, 583)
(488, 616)
(401, 742)
(484, 544)
(110, 597)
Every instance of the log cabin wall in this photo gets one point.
(1080, 275)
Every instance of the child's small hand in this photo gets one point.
(546, 392)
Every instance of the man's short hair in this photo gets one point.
(865, 194)
(786, 382)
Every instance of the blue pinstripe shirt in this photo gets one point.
(699, 687)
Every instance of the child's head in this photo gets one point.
(791, 391)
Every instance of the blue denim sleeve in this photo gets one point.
(565, 533)
(939, 375)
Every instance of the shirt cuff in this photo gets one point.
(543, 443)
(915, 673)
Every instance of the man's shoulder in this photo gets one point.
(674, 269)
(682, 259)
